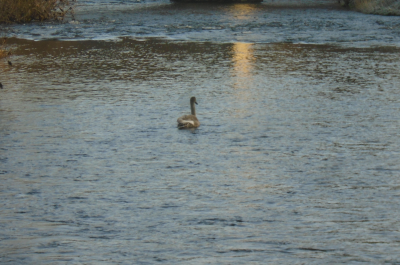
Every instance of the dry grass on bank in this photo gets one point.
(379, 7)
(3, 52)
(21, 11)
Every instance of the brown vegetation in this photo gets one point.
(379, 7)
(3, 52)
(21, 11)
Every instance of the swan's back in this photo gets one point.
(188, 121)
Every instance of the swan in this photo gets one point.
(189, 121)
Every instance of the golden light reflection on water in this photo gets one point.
(243, 59)
(243, 67)
(243, 11)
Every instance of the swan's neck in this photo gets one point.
(192, 108)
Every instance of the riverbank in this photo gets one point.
(3, 51)
(377, 7)
(22, 11)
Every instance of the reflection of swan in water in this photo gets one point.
(1, 85)
(189, 121)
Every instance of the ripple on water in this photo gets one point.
(296, 159)
(313, 22)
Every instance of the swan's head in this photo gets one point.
(193, 100)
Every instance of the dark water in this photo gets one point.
(296, 159)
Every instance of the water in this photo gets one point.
(284, 21)
(295, 161)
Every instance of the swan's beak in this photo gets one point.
(196, 103)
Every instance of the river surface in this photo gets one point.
(296, 160)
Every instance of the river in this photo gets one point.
(296, 159)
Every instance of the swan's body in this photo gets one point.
(189, 121)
